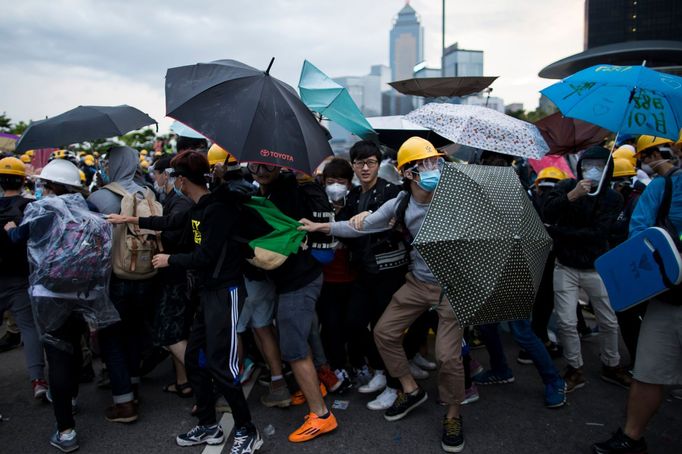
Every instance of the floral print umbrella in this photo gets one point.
(483, 128)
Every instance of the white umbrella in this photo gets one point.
(483, 128)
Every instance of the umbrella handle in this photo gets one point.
(606, 169)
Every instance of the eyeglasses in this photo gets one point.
(370, 163)
(255, 167)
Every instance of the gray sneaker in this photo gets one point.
(65, 442)
(278, 396)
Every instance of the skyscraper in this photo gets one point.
(406, 43)
(462, 62)
(616, 21)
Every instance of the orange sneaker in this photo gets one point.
(313, 427)
(299, 399)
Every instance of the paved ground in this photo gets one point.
(508, 418)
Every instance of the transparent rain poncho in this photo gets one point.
(69, 253)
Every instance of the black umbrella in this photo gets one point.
(394, 130)
(82, 124)
(434, 87)
(251, 114)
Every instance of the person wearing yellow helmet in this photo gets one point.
(549, 177)
(14, 270)
(626, 152)
(26, 159)
(420, 163)
(655, 154)
(30, 153)
(144, 152)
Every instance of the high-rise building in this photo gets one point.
(462, 62)
(617, 21)
(406, 43)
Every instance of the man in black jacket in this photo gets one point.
(580, 224)
(298, 283)
(381, 260)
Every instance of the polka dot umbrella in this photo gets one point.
(485, 243)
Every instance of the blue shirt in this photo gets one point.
(646, 211)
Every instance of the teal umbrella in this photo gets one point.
(326, 97)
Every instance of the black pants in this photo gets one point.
(370, 297)
(65, 369)
(544, 301)
(214, 333)
(333, 310)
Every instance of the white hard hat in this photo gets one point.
(61, 171)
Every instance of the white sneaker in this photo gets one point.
(362, 376)
(417, 372)
(424, 363)
(384, 401)
(377, 383)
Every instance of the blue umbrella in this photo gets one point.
(326, 97)
(185, 131)
(623, 99)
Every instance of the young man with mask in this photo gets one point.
(173, 312)
(298, 282)
(580, 224)
(421, 165)
(381, 260)
(333, 306)
(659, 350)
(14, 271)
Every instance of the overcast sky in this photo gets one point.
(57, 54)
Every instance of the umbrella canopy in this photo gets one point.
(247, 111)
(393, 130)
(8, 142)
(484, 242)
(623, 99)
(552, 161)
(569, 135)
(326, 97)
(84, 123)
(480, 127)
(185, 131)
(434, 87)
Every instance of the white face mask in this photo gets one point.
(593, 173)
(336, 191)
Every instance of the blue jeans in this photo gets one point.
(524, 336)
(121, 343)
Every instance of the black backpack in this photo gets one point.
(13, 212)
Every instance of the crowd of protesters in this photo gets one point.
(350, 311)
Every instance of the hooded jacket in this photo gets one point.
(581, 228)
(123, 163)
(217, 256)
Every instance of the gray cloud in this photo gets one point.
(113, 44)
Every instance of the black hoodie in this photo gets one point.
(217, 256)
(581, 229)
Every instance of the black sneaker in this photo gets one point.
(524, 358)
(211, 435)
(9, 341)
(246, 441)
(620, 443)
(404, 404)
(453, 437)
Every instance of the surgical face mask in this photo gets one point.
(428, 180)
(593, 173)
(177, 190)
(39, 190)
(336, 191)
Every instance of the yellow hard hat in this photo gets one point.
(216, 154)
(679, 140)
(416, 149)
(31, 153)
(142, 158)
(622, 167)
(626, 152)
(59, 154)
(82, 174)
(89, 160)
(95, 154)
(25, 158)
(144, 152)
(12, 166)
(550, 173)
(646, 142)
(144, 164)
